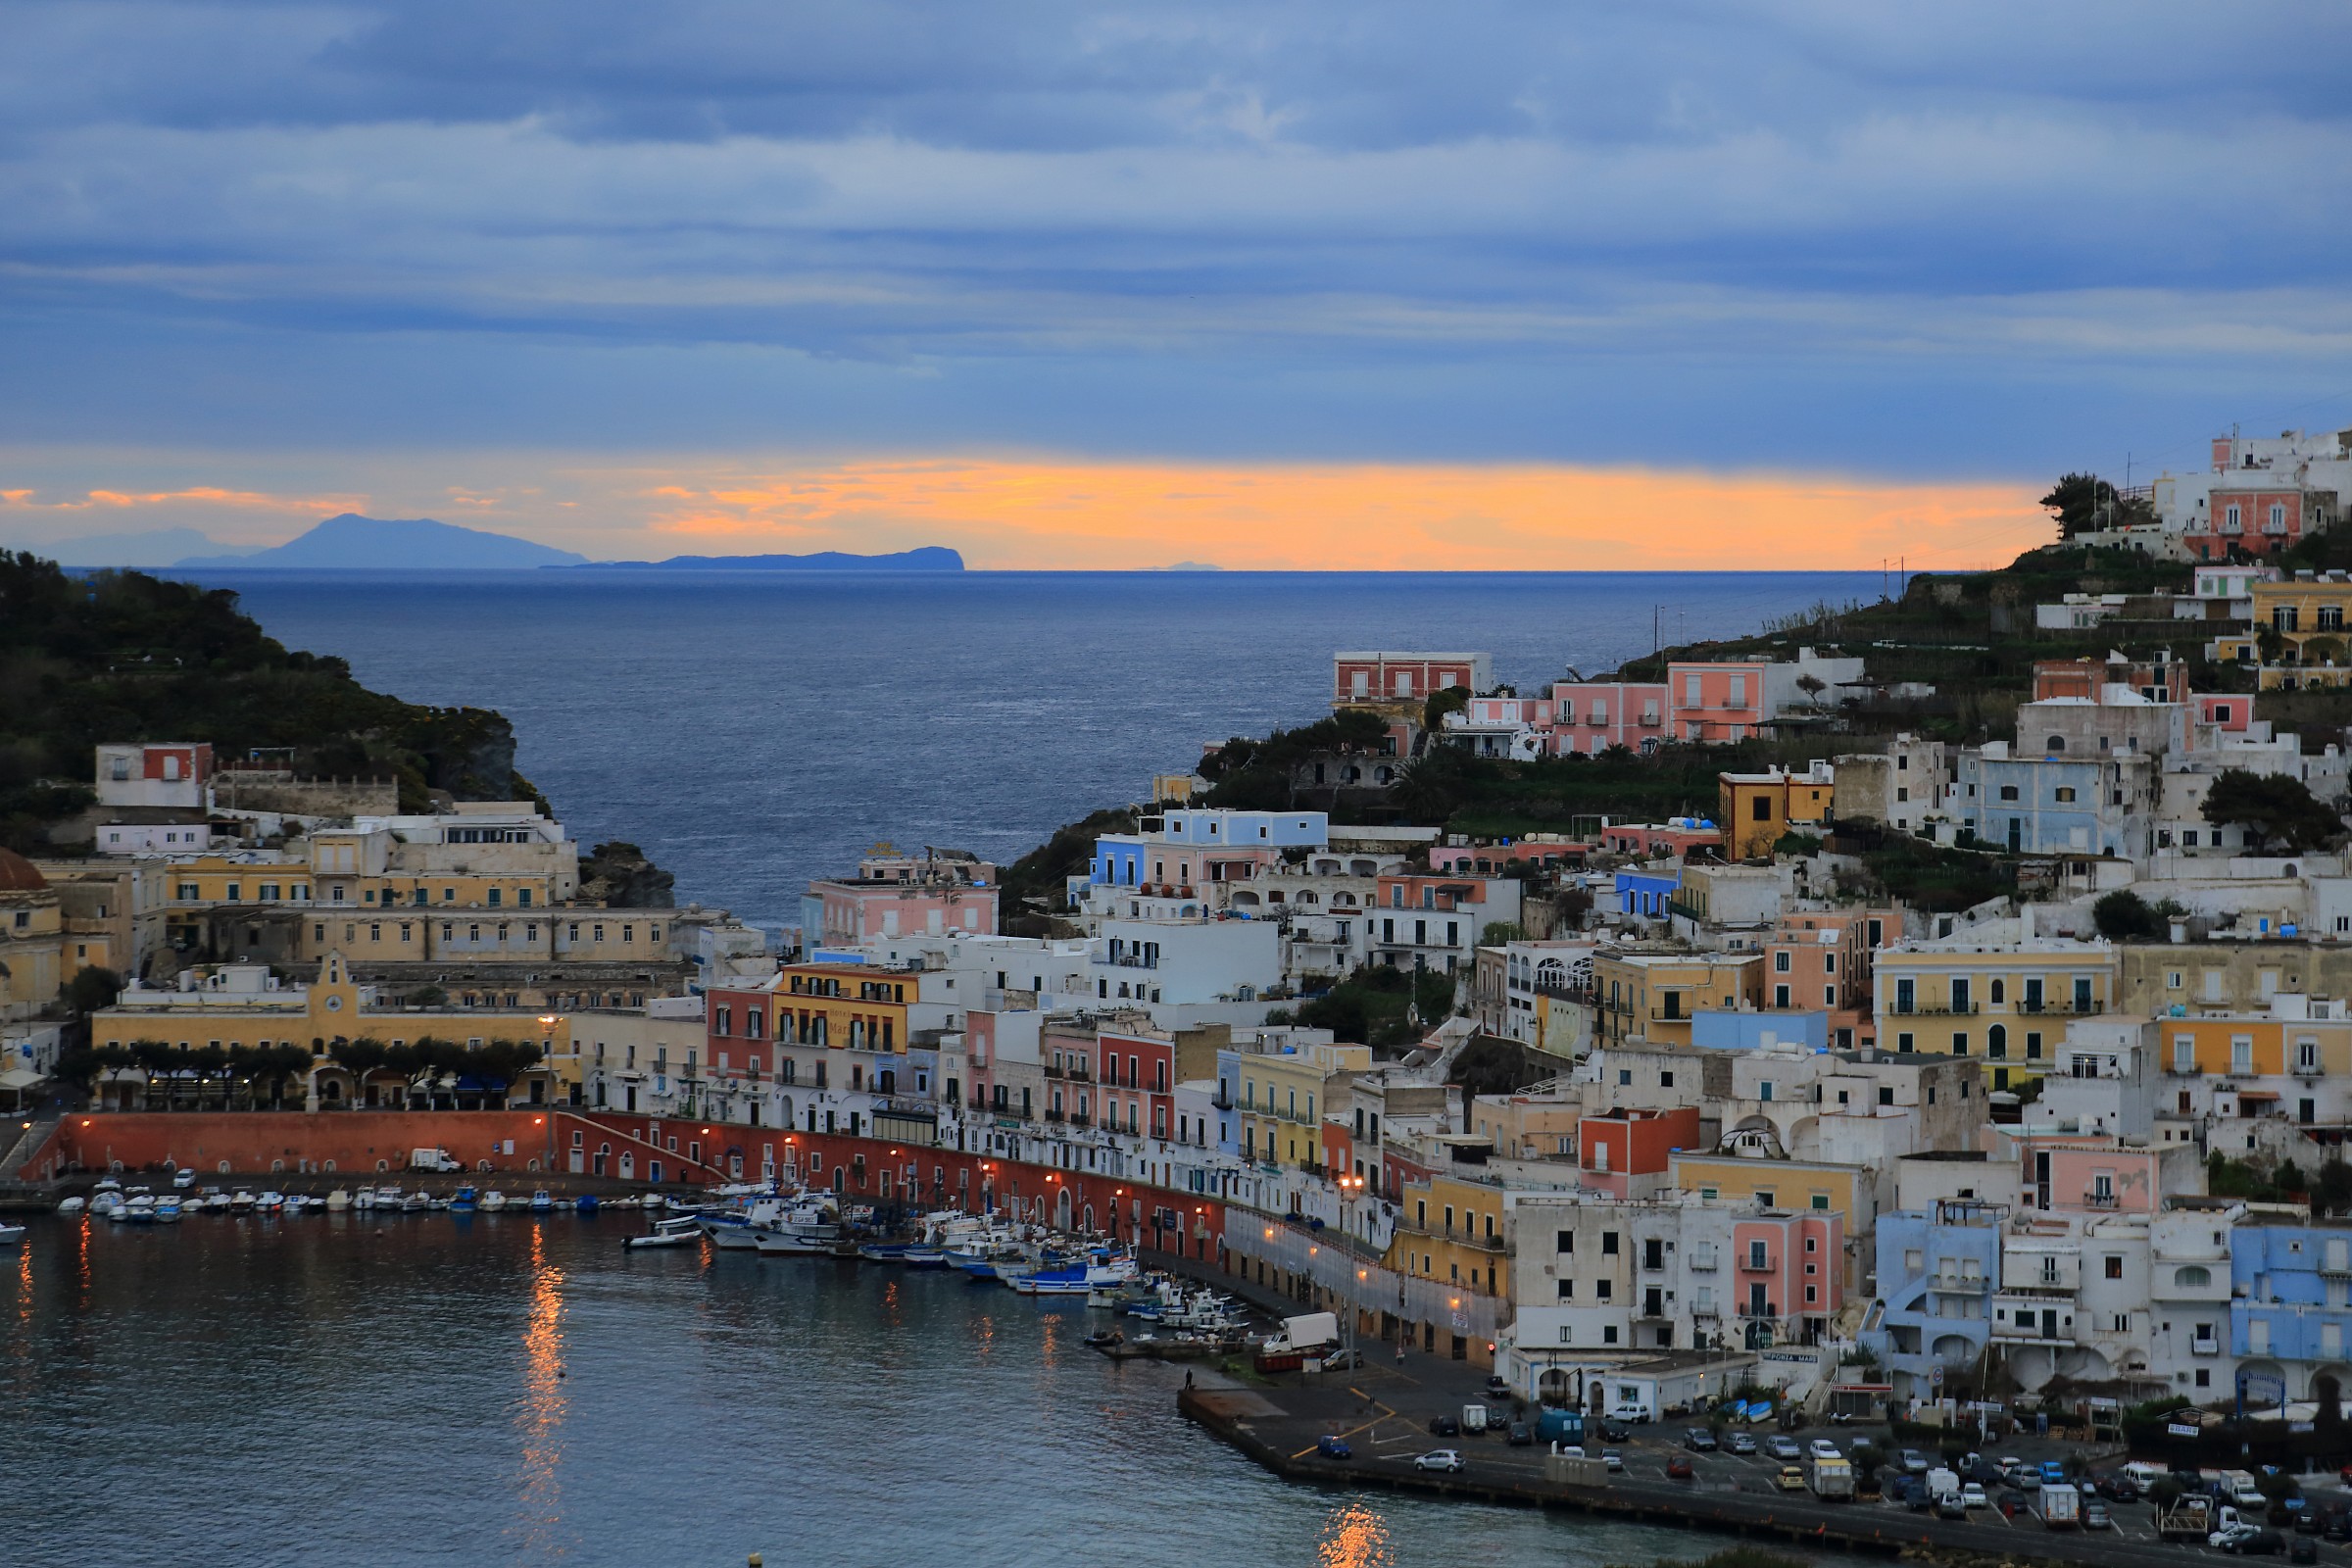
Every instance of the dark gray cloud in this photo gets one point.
(1683, 201)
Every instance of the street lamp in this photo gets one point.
(1350, 1188)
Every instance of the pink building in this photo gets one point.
(848, 913)
(1677, 838)
(1717, 702)
(2230, 715)
(1590, 717)
(1492, 860)
(1787, 1270)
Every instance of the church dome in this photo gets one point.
(20, 876)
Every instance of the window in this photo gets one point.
(2114, 1266)
(2008, 792)
(2066, 793)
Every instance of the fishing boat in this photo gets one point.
(493, 1201)
(652, 1201)
(680, 1231)
(882, 1252)
(72, 1206)
(418, 1202)
(139, 1210)
(809, 1226)
(464, 1202)
(166, 1209)
(11, 1235)
(270, 1203)
(587, 1203)
(733, 1228)
(541, 1202)
(240, 1199)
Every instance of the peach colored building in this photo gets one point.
(1590, 717)
(1787, 1270)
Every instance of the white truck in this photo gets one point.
(2061, 1506)
(1308, 1333)
(435, 1159)
(1831, 1480)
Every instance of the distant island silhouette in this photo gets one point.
(924, 558)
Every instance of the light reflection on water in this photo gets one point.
(403, 1390)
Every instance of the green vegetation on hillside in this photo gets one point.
(120, 655)
(1379, 1006)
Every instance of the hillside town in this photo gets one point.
(1909, 1069)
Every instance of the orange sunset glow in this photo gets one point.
(1111, 515)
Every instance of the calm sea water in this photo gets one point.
(754, 731)
(433, 1390)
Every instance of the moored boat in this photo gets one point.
(72, 1206)
(680, 1231)
(493, 1201)
(542, 1202)
(11, 1235)
(339, 1200)
(466, 1200)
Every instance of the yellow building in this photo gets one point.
(1758, 807)
(32, 965)
(242, 1006)
(1452, 1231)
(2255, 1047)
(2300, 623)
(1653, 996)
(1282, 1096)
(2007, 1004)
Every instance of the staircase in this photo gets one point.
(28, 1143)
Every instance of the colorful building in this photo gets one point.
(1757, 808)
(1653, 996)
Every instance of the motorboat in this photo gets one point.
(493, 1201)
(734, 1229)
(271, 1202)
(364, 1198)
(465, 1202)
(240, 1201)
(653, 1201)
(680, 1231)
(542, 1202)
(587, 1203)
(72, 1206)
(418, 1202)
(11, 1235)
(217, 1201)
(167, 1210)
(882, 1252)
(140, 1210)
(390, 1197)
(106, 1187)
(339, 1200)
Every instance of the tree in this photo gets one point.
(92, 989)
(1812, 686)
(1448, 700)
(2124, 916)
(1498, 932)
(2333, 1188)
(2274, 809)
(2076, 501)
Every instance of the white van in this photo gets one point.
(1631, 1410)
(1474, 1418)
(2143, 1474)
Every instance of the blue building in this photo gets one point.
(2290, 1307)
(1937, 1273)
(2050, 805)
(1721, 1030)
(1646, 892)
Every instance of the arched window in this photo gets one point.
(2057, 743)
(1996, 1041)
(2000, 990)
(2194, 1275)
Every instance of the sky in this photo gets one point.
(1655, 284)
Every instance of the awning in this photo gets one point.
(21, 1078)
(2243, 1094)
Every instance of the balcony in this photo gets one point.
(1081, 1073)
(1764, 1313)
(1079, 1118)
(2097, 1198)
(1052, 1071)
(1963, 1010)
(1055, 1117)
(2031, 1333)
(2204, 1347)
(1222, 1101)
(2035, 1006)
(979, 1102)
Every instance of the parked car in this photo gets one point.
(1444, 1460)
(184, 1178)
(2303, 1549)
(1915, 1463)
(2308, 1520)
(1629, 1413)
(1446, 1426)
(1791, 1478)
(1519, 1434)
(2096, 1517)
(1950, 1506)
(1613, 1430)
(1496, 1384)
(1698, 1439)
(1331, 1448)
(2052, 1473)
(1780, 1447)
(2117, 1487)
(1972, 1495)
(1740, 1443)
(1824, 1448)
(1680, 1468)
(2251, 1541)
(2011, 1502)
(1613, 1459)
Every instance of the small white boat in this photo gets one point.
(542, 1202)
(72, 1206)
(107, 1185)
(418, 1201)
(364, 1198)
(270, 1203)
(493, 1201)
(680, 1232)
(390, 1197)
(339, 1200)
(11, 1235)
(218, 1202)
(240, 1201)
(140, 1210)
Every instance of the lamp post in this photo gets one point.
(1350, 1188)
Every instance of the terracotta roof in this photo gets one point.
(20, 876)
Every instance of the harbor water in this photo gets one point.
(440, 1389)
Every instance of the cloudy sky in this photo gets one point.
(1660, 283)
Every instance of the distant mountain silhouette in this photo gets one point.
(924, 558)
(155, 547)
(352, 542)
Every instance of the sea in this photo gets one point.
(753, 730)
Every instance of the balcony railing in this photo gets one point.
(2204, 1347)
(1948, 1010)
(2080, 1009)
(1079, 1118)
(1054, 1116)
(1052, 1071)
(2098, 1199)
